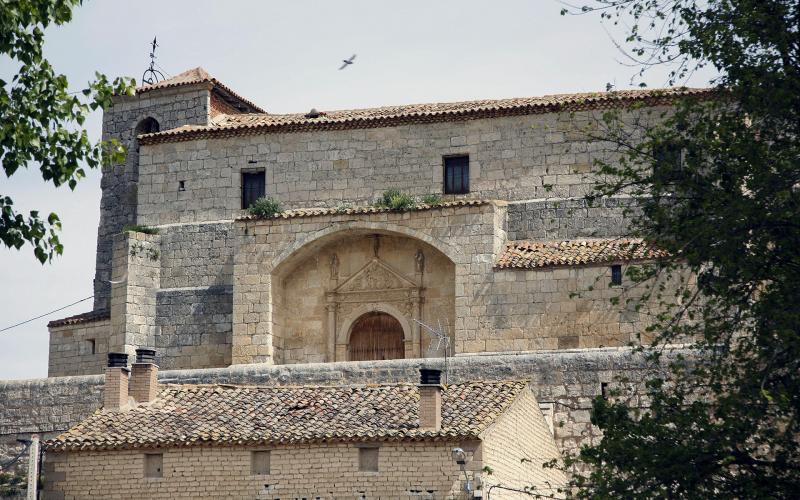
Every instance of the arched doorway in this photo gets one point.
(374, 336)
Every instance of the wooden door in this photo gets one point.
(376, 336)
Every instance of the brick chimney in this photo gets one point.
(430, 399)
(115, 393)
(144, 377)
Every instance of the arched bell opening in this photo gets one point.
(376, 335)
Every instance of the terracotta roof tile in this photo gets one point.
(87, 317)
(314, 212)
(200, 75)
(533, 254)
(261, 123)
(202, 414)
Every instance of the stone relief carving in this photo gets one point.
(374, 284)
(419, 262)
(334, 267)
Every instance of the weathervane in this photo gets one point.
(441, 338)
(151, 75)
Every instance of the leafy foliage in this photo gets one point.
(265, 206)
(432, 199)
(396, 200)
(43, 122)
(727, 208)
(12, 484)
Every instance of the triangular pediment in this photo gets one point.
(376, 275)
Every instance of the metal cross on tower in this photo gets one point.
(151, 75)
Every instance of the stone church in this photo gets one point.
(496, 264)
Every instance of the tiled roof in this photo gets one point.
(313, 212)
(257, 123)
(185, 415)
(87, 317)
(199, 75)
(534, 254)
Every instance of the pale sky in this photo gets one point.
(284, 56)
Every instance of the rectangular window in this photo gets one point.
(252, 187)
(368, 459)
(154, 465)
(259, 463)
(456, 175)
(616, 275)
(88, 346)
(668, 162)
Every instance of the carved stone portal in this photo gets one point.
(376, 287)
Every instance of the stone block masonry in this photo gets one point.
(570, 219)
(568, 379)
(193, 327)
(118, 206)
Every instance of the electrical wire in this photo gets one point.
(46, 314)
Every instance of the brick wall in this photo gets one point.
(405, 470)
(516, 447)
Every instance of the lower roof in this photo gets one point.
(186, 415)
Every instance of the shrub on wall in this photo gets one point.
(396, 200)
(265, 206)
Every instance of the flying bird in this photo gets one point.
(121, 280)
(347, 62)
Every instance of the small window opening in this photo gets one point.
(668, 165)
(154, 465)
(252, 187)
(181, 185)
(604, 390)
(147, 126)
(616, 275)
(259, 462)
(89, 346)
(368, 459)
(456, 175)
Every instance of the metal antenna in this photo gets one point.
(151, 75)
(441, 337)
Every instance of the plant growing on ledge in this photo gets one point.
(138, 228)
(396, 200)
(432, 199)
(266, 206)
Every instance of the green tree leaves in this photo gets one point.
(727, 208)
(42, 121)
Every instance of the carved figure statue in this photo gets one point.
(419, 262)
(334, 267)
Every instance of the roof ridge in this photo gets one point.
(181, 386)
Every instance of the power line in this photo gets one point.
(47, 313)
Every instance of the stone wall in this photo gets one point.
(511, 158)
(405, 470)
(467, 236)
(196, 255)
(188, 105)
(568, 380)
(44, 406)
(570, 219)
(193, 327)
(78, 349)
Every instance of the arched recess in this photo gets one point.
(148, 125)
(319, 290)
